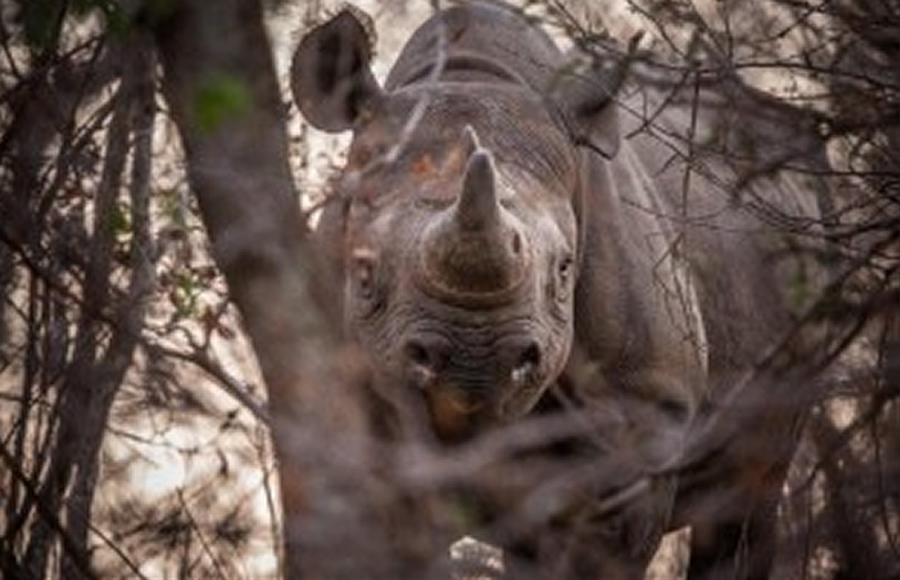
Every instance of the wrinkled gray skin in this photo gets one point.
(509, 247)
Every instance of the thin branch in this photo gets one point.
(47, 515)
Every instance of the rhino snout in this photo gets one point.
(464, 391)
(432, 362)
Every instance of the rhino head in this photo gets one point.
(455, 227)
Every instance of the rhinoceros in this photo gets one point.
(504, 249)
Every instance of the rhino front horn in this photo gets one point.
(473, 252)
(478, 208)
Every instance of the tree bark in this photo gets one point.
(217, 53)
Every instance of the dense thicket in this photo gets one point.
(144, 164)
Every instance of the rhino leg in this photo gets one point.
(736, 549)
(573, 556)
(734, 512)
(584, 544)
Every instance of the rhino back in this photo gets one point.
(733, 236)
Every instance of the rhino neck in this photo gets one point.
(462, 67)
(480, 41)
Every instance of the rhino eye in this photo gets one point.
(365, 279)
(364, 275)
(565, 268)
(565, 271)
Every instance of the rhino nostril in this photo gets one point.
(528, 362)
(531, 355)
(423, 361)
(416, 353)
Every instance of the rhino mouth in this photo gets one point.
(454, 414)
(461, 402)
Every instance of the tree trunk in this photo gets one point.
(221, 86)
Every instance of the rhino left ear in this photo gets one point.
(331, 79)
(586, 96)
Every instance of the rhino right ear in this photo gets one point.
(331, 80)
(586, 95)
(586, 92)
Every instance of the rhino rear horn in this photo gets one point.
(331, 78)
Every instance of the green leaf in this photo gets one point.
(185, 294)
(120, 220)
(220, 98)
